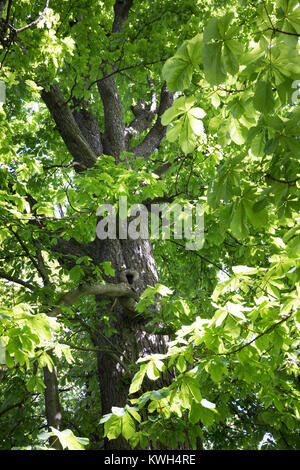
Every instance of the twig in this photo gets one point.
(16, 280)
(35, 22)
(141, 64)
(290, 182)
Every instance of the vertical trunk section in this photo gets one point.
(52, 405)
(130, 342)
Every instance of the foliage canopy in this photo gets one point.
(231, 144)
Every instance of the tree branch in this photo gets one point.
(268, 330)
(144, 114)
(68, 128)
(166, 165)
(158, 131)
(289, 182)
(35, 22)
(18, 404)
(34, 262)
(122, 291)
(114, 129)
(121, 9)
(16, 280)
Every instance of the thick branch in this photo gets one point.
(114, 132)
(121, 290)
(114, 129)
(158, 131)
(89, 127)
(121, 9)
(68, 128)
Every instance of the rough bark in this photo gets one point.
(69, 130)
(121, 9)
(114, 133)
(52, 404)
(131, 341)
(158, 131)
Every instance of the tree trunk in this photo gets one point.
(52, 405)
(80, 132)
(131, 341)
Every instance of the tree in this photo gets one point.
(200, 351)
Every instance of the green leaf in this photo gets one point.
(178, 73)
(152, 371)
(213, 67)
(263, 98)
(68, 440)
(211, 31)
(159, 394)
(195, 413)
(238, 133)
(108, 270)
(113, 427)
(175, 110)
(196, 125)
(181, 364)
(138, 379)
(238, 222)
(128, 427)
(134, 413)
(194, 388)
(173, 133)
(216, 370)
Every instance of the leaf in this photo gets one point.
(68, 440)
(194, 49)
(198, 113)
(178, 73)
(213, 67)
(134, 413)
(238, 133)
(244, 270)
(181, 364)
(174, 111)
(185, 396)
(235, 310)
(159, 394)
(128, 427)
(195, 413)
(194, 388)
(211, 31)
(263, 99)
(230, 61)
(40, 325)
(196, 125)
(117, 411)
(208, 404)
(206, 414)
(113, 427)
(238, 222)
(173, 133)
(216, 370)
(76, 273)
(187, 139)
(152, 371)
(108, 270)
(138, 379)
